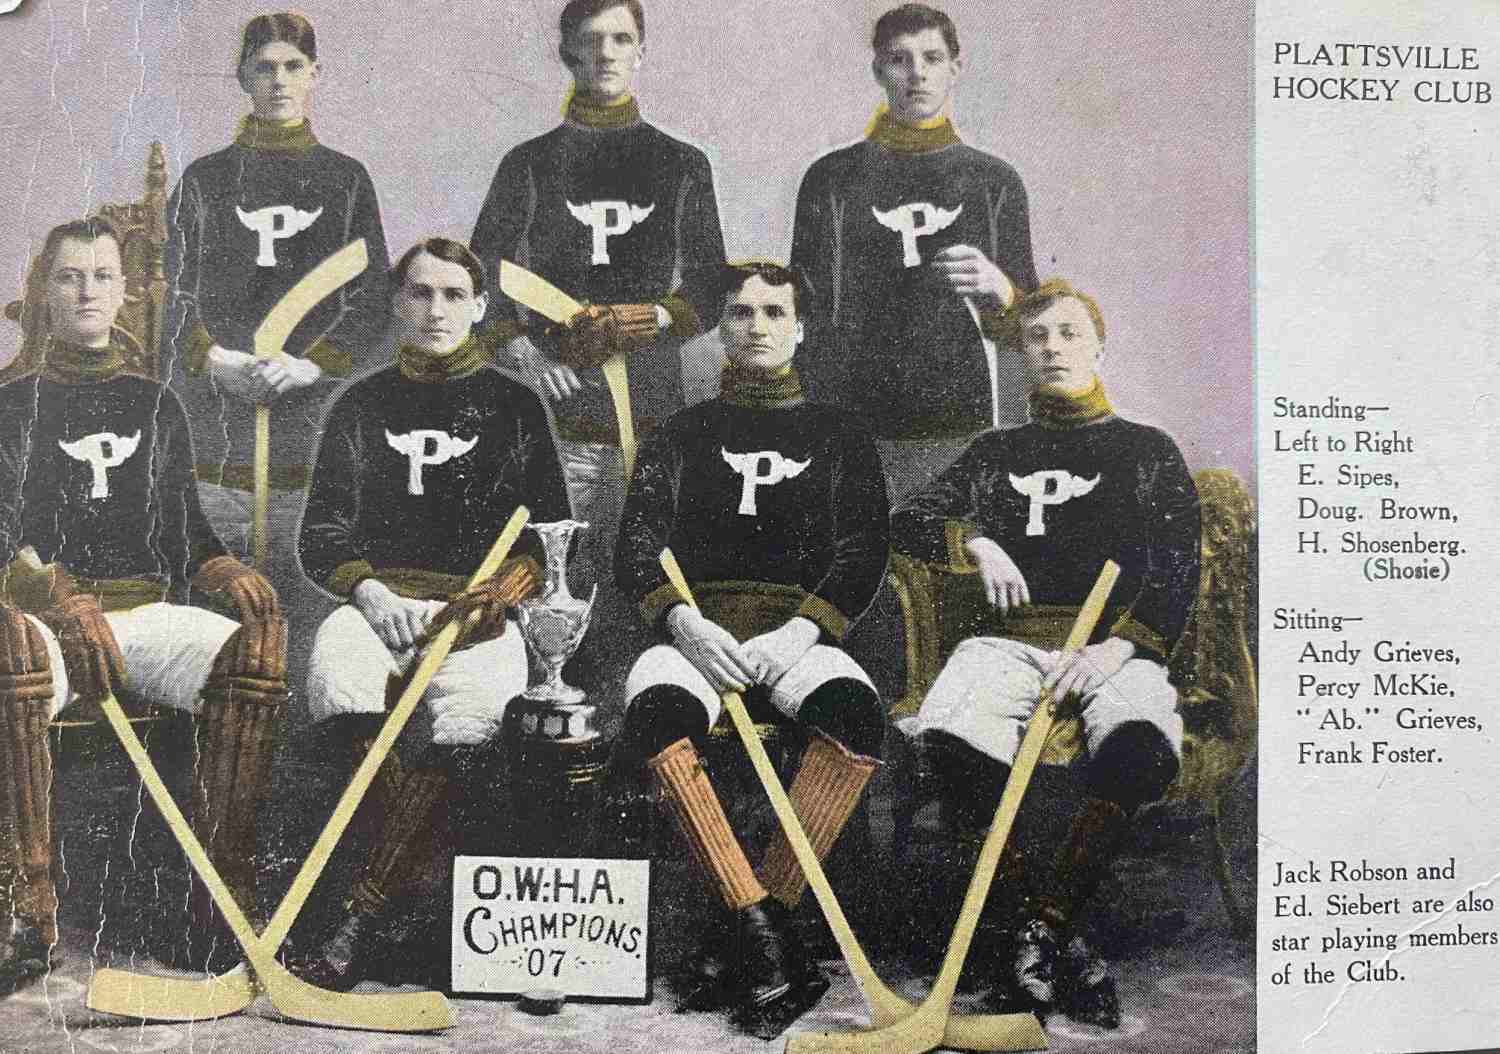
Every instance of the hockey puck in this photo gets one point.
(543, 1001)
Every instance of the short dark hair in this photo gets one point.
(1048, 293)
(34, 320)
(285, 27)
(445, 249)
(914, 18)
(576, 12)
(733, 276)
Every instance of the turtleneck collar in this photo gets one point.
(424, 367)
(900, 138)
(68, 363)
(1052, 407)
(760, 392)
(603, 116)
(258, 134)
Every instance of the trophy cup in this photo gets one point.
(557, 754)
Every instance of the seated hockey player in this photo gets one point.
(419, 467)
(101, 536)
(1037, 510)
(776, 510)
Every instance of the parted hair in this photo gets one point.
(576, 12)
(445, 249)
(913, 18)
(285, 27)
(732, 277)
(1028, 305)
(35, 323)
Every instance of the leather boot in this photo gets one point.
(399, 860)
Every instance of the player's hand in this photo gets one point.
(1076, 675)
(1004, 585)
(251, 592)
(600, 331)
(91, 655)
(553, 379)
(971, 273)
(775, 652)
(286, 373)
(711, 649)
(398, 622)
(235, 372)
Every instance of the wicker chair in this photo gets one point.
(1211, 664)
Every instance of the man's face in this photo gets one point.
(918, 75)
(85, 290)
(279, 78)
(1061, 347)
(436, 306)
(604, 54)
(760, 328)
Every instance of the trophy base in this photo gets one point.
(558, 695)
(558, 761)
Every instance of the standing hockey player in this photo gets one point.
(418, 466)
(244, 225)
(99, 527)
(1036, 510)
(617, 213)
(914, 243)
(776, 510)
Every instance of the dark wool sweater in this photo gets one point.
(815, 543)
(223, 277)
(609, 210)
(475, 446)
(893, 342)
(1142, 513)
(96, 472)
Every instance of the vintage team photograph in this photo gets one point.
(627, 525)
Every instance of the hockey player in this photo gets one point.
(96, 480)
(1037, 510)
(419, 465)
(244, 224)
(615, 212)
(895, 234)
(776, 510)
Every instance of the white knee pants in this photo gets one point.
(990, 686)
(664, 664)
(169, 651)
(466, 699)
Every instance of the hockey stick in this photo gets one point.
(925, 1029)
(535, 292)
(323, 280)
(181, 999)
(979, 1032)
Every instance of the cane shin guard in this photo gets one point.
(679, 772)
(234, 741)
(26, 790)
(1093, 842)
(400, 856)
(824, 793)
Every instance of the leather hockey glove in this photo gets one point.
(518, 578)
(261, 641)
(91, 655)
(600, 331)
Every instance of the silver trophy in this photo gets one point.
(553, 624)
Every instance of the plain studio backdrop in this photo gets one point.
(1129, 123)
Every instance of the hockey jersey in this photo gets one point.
(890, 339)
(784, 499)
(244, 225)
(1062, 500)
(610, 210)
(421, 474)
(96, 472)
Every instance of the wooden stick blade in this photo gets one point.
(151, 998)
